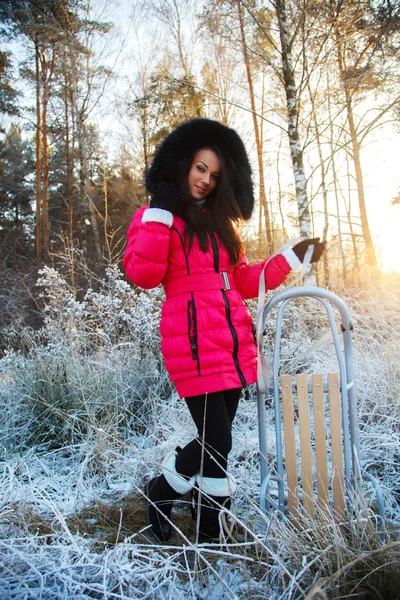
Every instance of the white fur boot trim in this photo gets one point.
(213, 486)
(179, 483)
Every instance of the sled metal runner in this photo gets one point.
(330, 477)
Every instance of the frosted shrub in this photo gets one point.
(115, 314)
(94, 375)
(91, 365)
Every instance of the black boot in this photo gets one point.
(160, 495)
(210, 506)
(161, 492)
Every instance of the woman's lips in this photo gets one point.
(200, 190)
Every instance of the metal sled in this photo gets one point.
(330, 477)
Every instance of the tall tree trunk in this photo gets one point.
(293, 120)
(260, 244)
(70, 176)
(339, 223)
(45, 145)
(280, 193)
(263, 199)
(323, 182)
(145, 136)
(107, 235)
(85, 189)
(84, 201)
(349, 219)
(370, 250)
(335, 187)
(17, 232)
(179, 40)
(68, 112)
(38, 154)
(68, 158)
(85, 195)
(93, 222)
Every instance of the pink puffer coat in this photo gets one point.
(206, 328)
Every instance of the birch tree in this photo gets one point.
(284, 61)
(292, 104)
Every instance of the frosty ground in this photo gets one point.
(87, 414)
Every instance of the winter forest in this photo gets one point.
(88, 89)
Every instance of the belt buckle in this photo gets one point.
(227, 285)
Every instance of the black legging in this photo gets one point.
(220, 410)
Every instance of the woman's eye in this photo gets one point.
(215, 177)
(201, 169)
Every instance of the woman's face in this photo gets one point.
(204, 173)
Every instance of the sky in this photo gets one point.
(379, 155)
(132, 41)
(382, 182)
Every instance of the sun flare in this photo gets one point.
(386, 235)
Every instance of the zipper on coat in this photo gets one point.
(192, 331)
(215, 251)
(235, 339)
(228, 313)
(183, 248)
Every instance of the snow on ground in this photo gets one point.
(83, 426)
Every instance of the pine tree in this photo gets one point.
(8, 94)
(16, 169)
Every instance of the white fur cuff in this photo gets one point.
(292, 259)
(213, 486)
(158, 215)
(175, 480)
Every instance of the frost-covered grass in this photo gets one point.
(86, 417)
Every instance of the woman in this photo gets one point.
(201, 187)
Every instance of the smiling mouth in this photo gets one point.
(201, 190)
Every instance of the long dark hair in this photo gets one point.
(220, 212)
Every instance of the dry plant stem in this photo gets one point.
(201, 472)
(365, 556)
(194, 547)
(119, 527)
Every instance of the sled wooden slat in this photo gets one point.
(337, 448)
(314, 460)
(290, 444)
(320, 441)
(305, 445)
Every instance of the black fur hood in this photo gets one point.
(190, 137)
